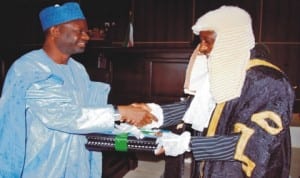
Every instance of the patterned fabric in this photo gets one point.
(262, 116)
(214, 148)
(251, 137)
(173, 113)
(204, 148)
(44, 112)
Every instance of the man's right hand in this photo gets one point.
(137, 116)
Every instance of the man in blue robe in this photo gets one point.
(48, 103)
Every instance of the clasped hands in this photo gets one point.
(137, 114)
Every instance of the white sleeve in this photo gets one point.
(57, 110)
(157, 111)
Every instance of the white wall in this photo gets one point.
(295, 134)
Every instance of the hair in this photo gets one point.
(261, 51)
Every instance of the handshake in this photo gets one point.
(140, 114)
(151, 116)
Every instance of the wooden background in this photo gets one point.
(159, 25)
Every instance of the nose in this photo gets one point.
(203, 48)
(85, 36)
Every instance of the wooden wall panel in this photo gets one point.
(129, 77)
(99, 12)
(155, 21)
(97, 64)
(287, 57)
(139, 74)
(157, 24)
(129, 81)
(281, 32)
(163, 21)
(167, 79)
(281, 21)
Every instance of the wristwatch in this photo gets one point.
(117, 114)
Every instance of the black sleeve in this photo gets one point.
(214, 148)
(173, 113)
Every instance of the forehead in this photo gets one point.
(80, 23)
(207, 34)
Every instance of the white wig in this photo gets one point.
(231, 51)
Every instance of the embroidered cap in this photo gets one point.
(58, 14)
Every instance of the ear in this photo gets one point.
(54, 31)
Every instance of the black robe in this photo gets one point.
(262, 115)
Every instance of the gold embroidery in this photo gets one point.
(261, 120)
(219, 108)
(247, 164)
(257, 62)
(215, 119)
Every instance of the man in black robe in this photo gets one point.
(248, 130)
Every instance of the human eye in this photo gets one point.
(76, 30)
(84, 32)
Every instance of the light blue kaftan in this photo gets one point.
(45, 109)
